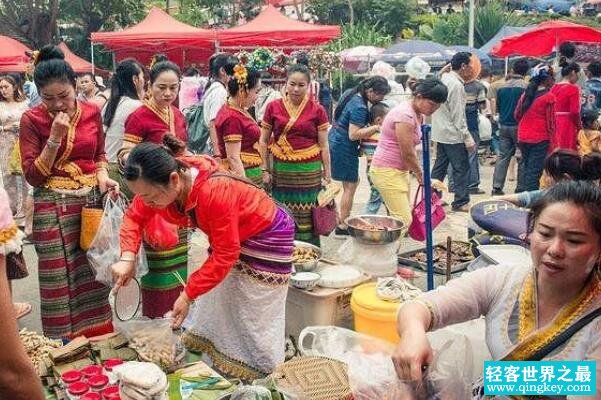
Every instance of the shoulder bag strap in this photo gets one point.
(565, 335)
(417, 192)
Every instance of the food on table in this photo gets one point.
(460, 252)
(37, 346)
(304, 254)
(159, 350)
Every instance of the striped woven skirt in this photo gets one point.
(255, 174)
(296, 185)
(72, 302)
(240, 323)
(161, 286)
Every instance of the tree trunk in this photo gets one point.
(351, 12)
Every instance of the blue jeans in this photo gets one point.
(457, 156)
(508, 138)
(531, 165)
(375, 199)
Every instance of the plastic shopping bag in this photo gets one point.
(105, 249)
(372, 374)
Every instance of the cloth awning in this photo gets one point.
(78, 64)
(544, 38)
(13, 57)
(273, 29)
(157, 32)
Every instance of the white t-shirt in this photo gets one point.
(214, 98)
(114, 133)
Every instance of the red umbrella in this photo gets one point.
(541, 40)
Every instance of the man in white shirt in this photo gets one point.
(449, 131)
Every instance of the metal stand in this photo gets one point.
(428, 195)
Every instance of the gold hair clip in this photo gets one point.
(34, 56)
(241, 74)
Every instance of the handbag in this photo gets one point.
(15, 266)
(90, 222)
(417, 229)
(325, 219)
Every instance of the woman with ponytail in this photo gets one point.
(127, 93)
(535, 114)
(63, 158)
(351, 117)
(240, 291)
(567, 108)
(152, 122)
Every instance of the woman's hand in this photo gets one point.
(123, 272)
(181, 307)
(411, 355)
(60, 127)
(266, 177)
(107, 184)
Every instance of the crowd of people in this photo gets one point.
(267, 154)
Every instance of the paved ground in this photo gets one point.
(455, 226)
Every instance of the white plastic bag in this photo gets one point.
(372, 374)
(375, 260)
(106, 247)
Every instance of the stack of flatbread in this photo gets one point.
(141, 381)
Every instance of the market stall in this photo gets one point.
(79, 64)
(273, 29)
(13, 57)
(159, 33)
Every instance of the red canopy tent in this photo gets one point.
(12, 55)
(78, 64)
(159, 33)
(272, 29)
(541, 40)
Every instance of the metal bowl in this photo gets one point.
(307, 266)
(391, 232)
(305, 280)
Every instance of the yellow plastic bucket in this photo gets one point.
(372, 315)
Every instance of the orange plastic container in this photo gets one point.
(373, 316)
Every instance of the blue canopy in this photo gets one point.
(502, 34)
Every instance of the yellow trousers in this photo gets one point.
(393, 185)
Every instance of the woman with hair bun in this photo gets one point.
(237, 131)
(63, 158)
(154, 120)
(295, 132)
(395, 157)
(240, 290)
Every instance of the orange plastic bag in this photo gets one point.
(160, 234)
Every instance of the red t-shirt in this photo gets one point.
(537, 124)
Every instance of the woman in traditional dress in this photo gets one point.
(237, 131)
(18, 379)
(62, 149)
(240, 291)
(301, 157)
(567, 108)
(525, 306)
(150, 123)
(351, 116)
(221, 69)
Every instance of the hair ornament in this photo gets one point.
(241, 75)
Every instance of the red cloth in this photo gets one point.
(145, 125)
(303, 134)
(83, 148)
(537, 124)
(567, 116)
(234, 125)
(227, 210)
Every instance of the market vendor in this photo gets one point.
(526, 306)
(240, 291)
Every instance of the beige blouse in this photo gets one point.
(506, 296)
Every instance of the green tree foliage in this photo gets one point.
(490, 16)
(390, 15)
(360, 34)
(33, 23)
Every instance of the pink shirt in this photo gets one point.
(388, 153)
